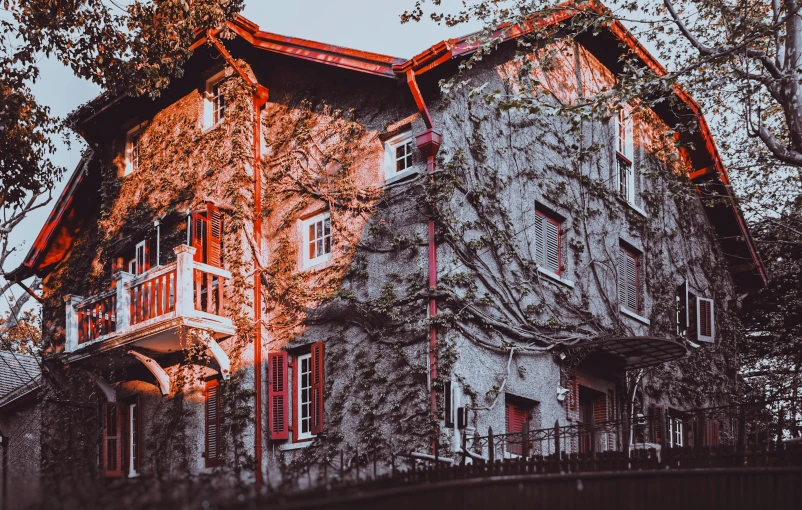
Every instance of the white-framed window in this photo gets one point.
(548, 233)
(317, 241)
(398, 155)
(132, 146)
(303, 407)
(675, 432)
(138, 264)
(133, 441)
(214, 101)
(624, 155)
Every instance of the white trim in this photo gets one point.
(208, 102)
(299, 434)
(637, 209)
(633, 315)
(390, 145)
(132, 472)
(306, 262)
(554, 277)
(285, 447)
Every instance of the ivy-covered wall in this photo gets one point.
(501, 321)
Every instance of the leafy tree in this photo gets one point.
(134, 50)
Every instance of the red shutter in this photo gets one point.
(212, 395)
(712, 433)
(277, 395)
(138, 436)
(197, 235)
(112, 440)
(517, 419)
(214, 236)
(655, 413)
(317, 367)
(600, 408)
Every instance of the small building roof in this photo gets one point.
(19, 374)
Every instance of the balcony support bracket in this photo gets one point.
(103, 386)
(155, 369)
(218, 353)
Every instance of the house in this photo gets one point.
(20, 419)
(409, 268)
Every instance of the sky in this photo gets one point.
(371, 25)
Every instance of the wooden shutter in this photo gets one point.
(197, 235)
(448, 409)
(682, 307)
(317, 367)
(214, 236)
(277, 395)
(112, 440)
(540, 252)
(212, 423)
(705, 320)
(628, 280)
(656, 418)
(552, 245)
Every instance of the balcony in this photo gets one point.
(149, 311)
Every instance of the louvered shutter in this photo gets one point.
(212, 423)
(112, 440)
(197, 235)
(540, 253)
(705, 320)
(656, 417)
(277, 396)
(628, 280)
(318, 386)
(552, 242)
(214, 236)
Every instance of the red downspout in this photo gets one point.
(429, 142)
(260, 95)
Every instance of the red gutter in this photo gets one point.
(260, 95)
(429, 142)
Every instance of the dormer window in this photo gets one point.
(132, 149)
(398, 152)
(214, 104)
(624, 167)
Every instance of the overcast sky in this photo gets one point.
(371, 25)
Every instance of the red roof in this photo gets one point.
(726, 223)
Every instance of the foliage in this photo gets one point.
(21, 333)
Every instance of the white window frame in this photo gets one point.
(209, 120)
(390, 159)
(299, 392)
(321, 258)
(132, 410)
(675, 432)
(133, 265)
(624, 155)
(135, 133)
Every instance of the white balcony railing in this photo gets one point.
(182, 289)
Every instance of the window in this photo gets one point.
(548, 242)
(398, 155)
(206, 235)
(316, 240)
(676, 432)
(212, 439)
(307, 394)
(695, 315)
(624, 168)
(132, 146)
(628, 280)
(141, 261)
(214, 104)
(518, 417)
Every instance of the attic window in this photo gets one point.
(214, 103)
(132, 149)
(398, 155)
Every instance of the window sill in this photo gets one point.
(637, 209)
(317, 265)
(211, 128)
(294, 446)
(400, 175)
(554, 277)
(633, 315)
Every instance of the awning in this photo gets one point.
(632, 352)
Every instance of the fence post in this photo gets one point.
(184, 281)
(464, 444)
(342, 467)
(592, 432)
(357, 462)
(780, 425)
(392, 457)
(491, 446)
(742, 429)
(557, 438)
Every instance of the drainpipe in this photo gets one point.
(428, 143)
(260, 95)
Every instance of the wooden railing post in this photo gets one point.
(121, 280)
(184, 279)
(72, 325)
